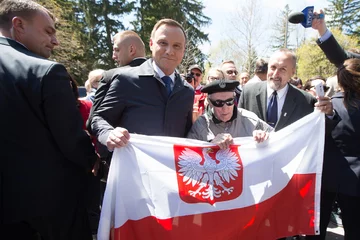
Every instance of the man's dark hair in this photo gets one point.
(169, 22)
(261, 66)
(21, 8)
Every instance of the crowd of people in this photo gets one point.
(57, 147)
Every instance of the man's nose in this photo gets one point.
(54, 41)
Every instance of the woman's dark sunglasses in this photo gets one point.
(221, 103)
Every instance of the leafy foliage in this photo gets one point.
(345, 15)
(186, 12)
(282, 30)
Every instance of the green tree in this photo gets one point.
(98, 21)
(189, 13)
(282, 30)
(345, 15)
(247, 28)
(70, 51)
(312, 61)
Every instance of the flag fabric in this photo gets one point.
(173, 188)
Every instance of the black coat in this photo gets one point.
(297, 103)
(104, 86)
(342, 151)
(334, 52)
(45, 154)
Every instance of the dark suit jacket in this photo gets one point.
(137, 100)
(297, 103)
(334, 52)
(342, 151)
(104, 86)
(44, 153)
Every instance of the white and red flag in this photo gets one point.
(171, 188)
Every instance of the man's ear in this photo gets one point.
(18, 24)
(151, 44)
(132, 50)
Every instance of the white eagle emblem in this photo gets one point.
(211, 174)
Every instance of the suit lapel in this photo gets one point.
(178, 84)
(288, 108)
(261, 101)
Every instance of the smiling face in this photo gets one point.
(168, 47)
(281, 69)
(225, 112)
(38, 33)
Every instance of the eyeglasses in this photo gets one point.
(230, 72)
(196, 74)
(221, 103)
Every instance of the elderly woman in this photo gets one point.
(222, 120)
(341, 170)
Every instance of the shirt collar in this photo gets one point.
(280, 93)
(161, 73)
(15, 41)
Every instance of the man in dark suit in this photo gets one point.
(128, 51)
(45, 155)
(327, 42)
(149, 99)
(291, 102)
(278, 102)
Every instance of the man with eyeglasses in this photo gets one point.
(223, 120)
(229, 70)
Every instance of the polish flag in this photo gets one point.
(173, 188)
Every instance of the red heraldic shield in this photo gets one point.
(208, 174)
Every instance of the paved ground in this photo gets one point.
(334, 233)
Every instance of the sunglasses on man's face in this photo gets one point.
(231, 72)
(196, 74)
(221, 103)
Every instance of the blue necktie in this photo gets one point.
(272, 110)
(167, 80)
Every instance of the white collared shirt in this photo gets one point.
(281, 95)
(161, 74)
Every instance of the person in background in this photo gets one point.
(333, 86)
(199, 98)
(214, 74)
(45, 154)
(297, 82)
(128, 47)
(94, 80)
(229, 69)
(261, 68)
(244, 78)
(310, 84)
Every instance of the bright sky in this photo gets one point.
(221, 10)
